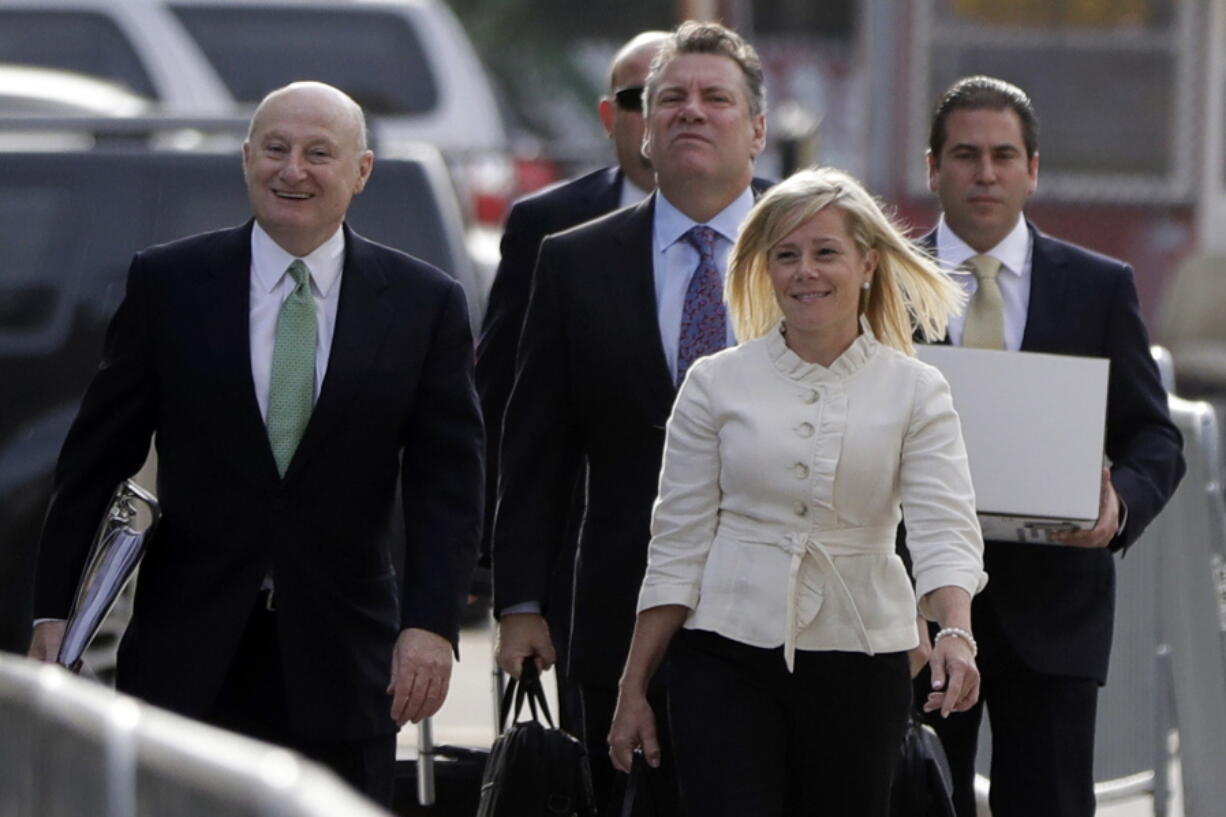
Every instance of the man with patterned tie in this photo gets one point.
(620, 307)
(1044, 621)
(292, 371)
(548, 211)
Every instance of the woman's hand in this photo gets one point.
(955, 678)
(634, 727)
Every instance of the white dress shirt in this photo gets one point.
(1013, 253)
(271, 285)
(675, 261)
(779, 498)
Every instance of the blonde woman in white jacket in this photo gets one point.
(772, 568)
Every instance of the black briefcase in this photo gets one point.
(534, 769)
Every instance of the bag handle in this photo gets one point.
(527, 687)
(637, 781)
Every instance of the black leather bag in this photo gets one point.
(923, 785)
(534, 769)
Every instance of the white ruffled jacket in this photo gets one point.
(780, 492)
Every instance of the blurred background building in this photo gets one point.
(1128, 94)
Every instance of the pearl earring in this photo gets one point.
(866, 285)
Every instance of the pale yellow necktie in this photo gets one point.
(985, 313)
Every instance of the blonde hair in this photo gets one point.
(909, 292)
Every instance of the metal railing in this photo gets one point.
(71, 747)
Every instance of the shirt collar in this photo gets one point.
(631, 193)
(671, 224)
(853, 358)
(1011, 252)
(269, 261)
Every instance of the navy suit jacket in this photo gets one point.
(1055, 605)
(531, 219)
(592, 386)
(397, 402)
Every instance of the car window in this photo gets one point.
(374, 56)
(85, 42)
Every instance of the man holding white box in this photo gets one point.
(1044, 621)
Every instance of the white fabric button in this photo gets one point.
(800, 470)
(809, 397)
(805, 430)
(800, 508)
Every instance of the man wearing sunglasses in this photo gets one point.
(531, 219)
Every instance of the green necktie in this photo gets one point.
(291, 387)
(985, 312)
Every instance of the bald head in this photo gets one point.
(630, 63)
(621, 116)
(331, 101)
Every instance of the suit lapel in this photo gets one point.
(630, 276)
(928, 243)
(226, 313)
(362, 318)
(1046, 321)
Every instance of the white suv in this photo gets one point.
(408, 62)
(136, 44)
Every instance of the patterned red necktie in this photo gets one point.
(703, 319)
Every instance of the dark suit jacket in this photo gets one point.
(592, 385)
(397, 400)
(531, 219)
(1055, 605)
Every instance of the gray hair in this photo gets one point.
(692, 37)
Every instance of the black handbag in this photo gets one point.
(923, 784)
(534, 769)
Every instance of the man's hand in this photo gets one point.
(522, 636)
(918, 656)
(421, 673)
(1105, 528)
(45, 644)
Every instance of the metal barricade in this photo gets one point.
(71, 747)
(1191, 533)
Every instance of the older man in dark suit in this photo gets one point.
(292, 371)
(620, 307)
(1044, 621)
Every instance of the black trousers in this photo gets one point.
(752, 738)
(252, 702)
(1042, 734)
(597, 704)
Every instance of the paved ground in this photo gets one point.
(468, 719)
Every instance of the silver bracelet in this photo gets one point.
(957, 632)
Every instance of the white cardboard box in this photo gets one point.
(1034, 426)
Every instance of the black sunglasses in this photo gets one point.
(630, 99)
